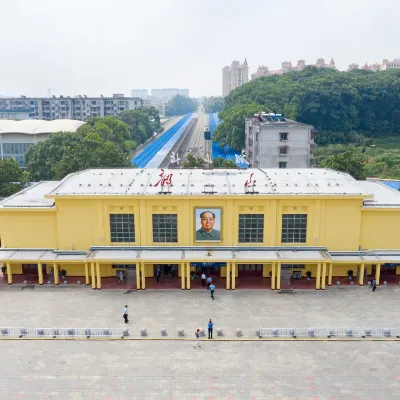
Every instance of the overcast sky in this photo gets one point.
(112, 46)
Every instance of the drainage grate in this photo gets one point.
(130, 291)
(286, 291)
(28, 287)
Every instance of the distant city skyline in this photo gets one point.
(180, 43)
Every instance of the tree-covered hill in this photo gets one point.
(336, 103)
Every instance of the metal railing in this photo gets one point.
(329, 332)
(62, 332)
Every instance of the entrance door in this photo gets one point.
(250, 270)
(285, 276)
(30, 269)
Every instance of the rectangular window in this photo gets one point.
(251, 228)
(122, 228)
(283, 150)
(165, 228)
(294, 228)
(283, 136)
(282, 164)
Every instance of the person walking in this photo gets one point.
(158, 274)
(212, 288)
(374, 285)
(126, 314)
(203, 279)
(173, 272)
(209, 280)
(210, 328)
(197, 334)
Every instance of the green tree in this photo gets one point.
(349, 161)
(180, 105)
(231, 131)
(109, 129)
(66, 152)
(44, 155)
(213, 104)
(197, 162)
(12, 177)
(93, 152)
(142, 123)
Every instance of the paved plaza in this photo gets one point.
(63, 307)
(173, 370)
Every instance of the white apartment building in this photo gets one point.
(78, 108)
(169, 93)
(233, 76)
(142, 93)
(273, 141)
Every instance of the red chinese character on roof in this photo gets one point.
(250, 182)
(165, 179)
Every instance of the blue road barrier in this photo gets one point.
(149, 152)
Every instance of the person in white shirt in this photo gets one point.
(126, 314)
(203, 279)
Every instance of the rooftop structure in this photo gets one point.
(17, 136)
(37, 127)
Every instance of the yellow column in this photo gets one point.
(330, 274)
(40, 273)
(278, 276)
(143, 276)
(182, 265)
(9, 274)
(273, 276)
(378, 274)
(55, 268)
(318, 281)
(228, 275)
(87, 281)
(323, 279)
(93, 273)
(233, 267)
(188, 275)
(138, 276)
(98, 275)
(361, 276)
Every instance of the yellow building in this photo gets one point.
(260, 228)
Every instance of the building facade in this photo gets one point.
(273, 225)
(142, 93)
(276, 142)
(287, 66)
(79, 108)
(16, 115)
(168, 93)
(234, 76)
(388, 65)
(17, 136)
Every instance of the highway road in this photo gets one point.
(196, 144)
(149, 152)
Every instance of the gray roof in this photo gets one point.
(37, 126)
(384, 196)
(33, 196)
(221, 182)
